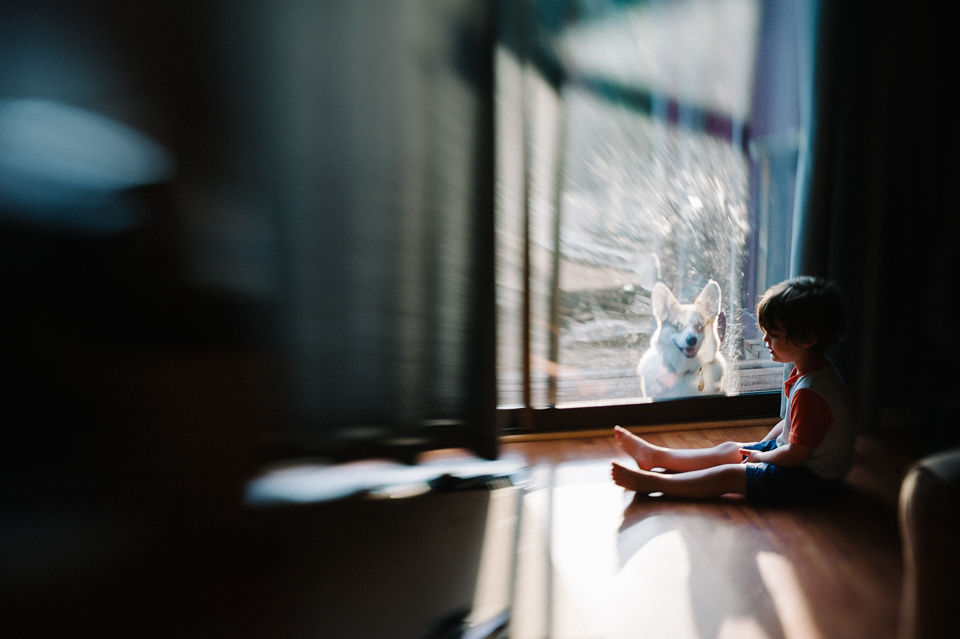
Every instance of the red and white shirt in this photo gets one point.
(818, 415)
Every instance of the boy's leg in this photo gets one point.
(650, 456)
(708, 482)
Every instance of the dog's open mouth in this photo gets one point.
(689, 352)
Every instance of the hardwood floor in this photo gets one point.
(596, 561)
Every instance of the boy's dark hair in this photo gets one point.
(802, 309)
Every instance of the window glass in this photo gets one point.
(644, 201)
(634, 154)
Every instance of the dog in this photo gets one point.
(684, 357)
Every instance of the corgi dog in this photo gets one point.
(684, 357)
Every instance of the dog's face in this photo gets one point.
(685, 326)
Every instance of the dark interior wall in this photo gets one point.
(146, 332)
(887, 91)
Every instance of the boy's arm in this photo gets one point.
(788, 455)
(774, 432)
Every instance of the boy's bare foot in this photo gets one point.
(641, 451)
(638, 481)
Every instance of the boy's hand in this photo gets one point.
(786, 455)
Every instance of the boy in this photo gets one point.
(804, 457)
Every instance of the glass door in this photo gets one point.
(646, 159)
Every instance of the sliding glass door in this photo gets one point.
(646, 154)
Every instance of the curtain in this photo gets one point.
(876, 207)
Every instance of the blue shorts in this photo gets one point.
(772, 484)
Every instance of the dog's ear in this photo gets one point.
(662, 299)
(709, 299)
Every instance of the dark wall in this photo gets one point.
(231, 233)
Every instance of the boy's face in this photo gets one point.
(784, 351)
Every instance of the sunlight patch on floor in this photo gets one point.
(741, 628)
(586, 520)
(651, 593)
(529, 618)
(493, 589)
(784, 586)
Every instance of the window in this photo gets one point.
(638, 143)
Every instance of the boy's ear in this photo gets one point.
(807, 341)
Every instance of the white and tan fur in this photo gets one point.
(684, 357)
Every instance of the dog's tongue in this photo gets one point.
(690, 352)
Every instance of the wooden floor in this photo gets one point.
(596, 561)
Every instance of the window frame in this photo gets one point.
(714, 410)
